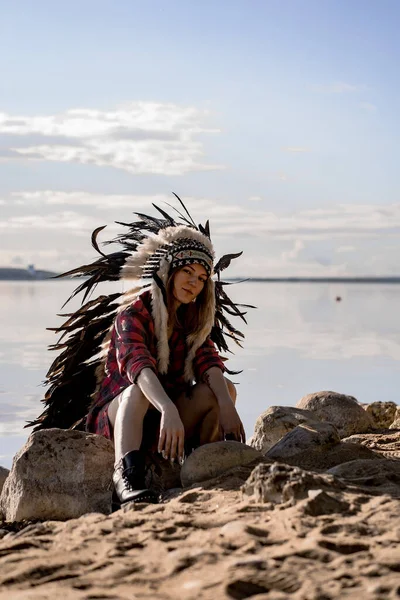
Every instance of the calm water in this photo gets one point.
(299, 340)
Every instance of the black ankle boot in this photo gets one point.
(128, 479)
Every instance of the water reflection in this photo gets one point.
(299, 340)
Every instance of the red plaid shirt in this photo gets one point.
(133, 347)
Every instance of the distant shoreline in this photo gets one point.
(16, 274)
(318, 279)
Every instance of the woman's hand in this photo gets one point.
(172, 434)
(230, 423)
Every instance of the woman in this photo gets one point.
(192, 397)
(141, 367)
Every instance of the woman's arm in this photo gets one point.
(230, 422)
(172, 432)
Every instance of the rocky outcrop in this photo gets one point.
(340, 410)
(384, 443)
(317, 448)
(382, 413)
(278, 483)
(211, 460)
(381, 476)
(396, 421)
(3, 476)
(59, 474)
(273, 424)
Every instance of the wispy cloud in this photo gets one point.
(342, 249)
(81, 198)
(228, 219)
(368, 106)
(294, 252)
(337, 87)
(274, 242)
(296, 149)
(62, 221)
(140, 137)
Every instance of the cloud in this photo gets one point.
(64, 221)
(368, 106)
(342, 249)
(296, 149)
(338, 221)
(337, 87)
(251, 219)
(81, 198)
(140, 137)
(294, 252)
(273, 242)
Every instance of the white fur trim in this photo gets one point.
(160, 316)
(132, 269)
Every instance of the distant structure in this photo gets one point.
(31, 270)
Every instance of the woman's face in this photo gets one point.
(188, 283)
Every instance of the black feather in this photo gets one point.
(225, 261)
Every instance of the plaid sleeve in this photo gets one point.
(132, 350)
(205, 358)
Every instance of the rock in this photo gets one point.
(59, 475)
(161, 475)
(321, 503)
(386, 444)
(343, 411)
(279, 483)
(396, 420)
(321, 459)
(3, 476)
(273, 424)
(211, 460)
(304, 438)
(382, 413)
(381, 476)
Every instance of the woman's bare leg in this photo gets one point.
(126, 413)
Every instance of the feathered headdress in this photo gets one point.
(151, 248)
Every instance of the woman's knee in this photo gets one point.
(206, 398)
(231, 389)
(132, 400)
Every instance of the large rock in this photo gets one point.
(382, 413)
(3, 476)
(273, 424)
(305, 438)
(59, 475)
(317, 447)
(381, 476)
(343, 411)
(211, 460)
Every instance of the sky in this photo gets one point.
(275, 119)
